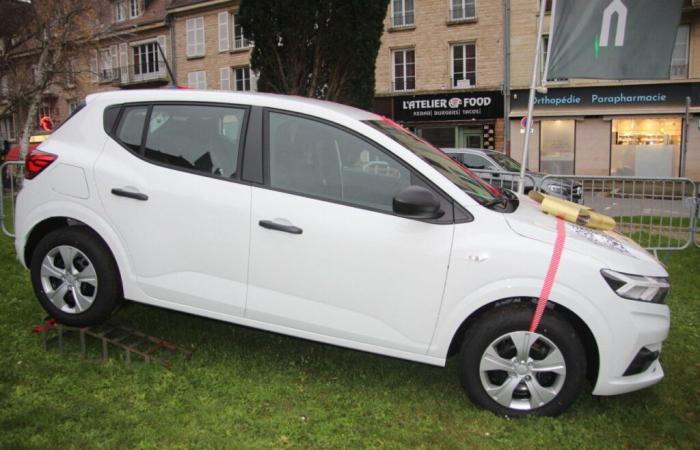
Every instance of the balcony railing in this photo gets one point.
(402, 20)
(457, 13)
(462, 83)
(154, 71)
(241, 43)
(407, 85)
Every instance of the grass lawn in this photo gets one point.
(250, 389)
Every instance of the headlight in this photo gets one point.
(555, 188)
(637, 287)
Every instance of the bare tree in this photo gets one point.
(37, 53)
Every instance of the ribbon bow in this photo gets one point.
(573, 212)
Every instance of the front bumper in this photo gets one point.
(645, 327)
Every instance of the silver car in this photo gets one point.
(498, 168)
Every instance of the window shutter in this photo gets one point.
(200, 36)
(192, 80)
(203, 80)
(113, 50)
(223, 32)
(123, 63)
(225, 78)
(191, 48)
(93, 67)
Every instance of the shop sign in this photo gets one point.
(612, 96)
(452, 106)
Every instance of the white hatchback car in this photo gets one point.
(329, 223)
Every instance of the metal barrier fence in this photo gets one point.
(658, 213)
(506, 180)
(11, 176)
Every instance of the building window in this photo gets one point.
(557, 146)
(7, 128)
(197, 80)
(134, 8)
(105, 66)
(402, 13)
(119, 11)
(646, 147)
(464, 65)
(544, 54)
(679, 57)
(404, 69)
(241, 80)
(195, 37)
(147, 63)
(462, 9)
(239, 40)
(72, 107)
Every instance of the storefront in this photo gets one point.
(633, 130)
(456, 119)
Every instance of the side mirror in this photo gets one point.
(418, 203)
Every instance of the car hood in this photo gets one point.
(611, 249)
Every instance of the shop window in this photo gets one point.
(557, 146)
(679, 57)
(441, 137)
(645, 147)
(404, 69)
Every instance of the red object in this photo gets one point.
(46, 123)
(13, 152)
(523, 122)
(36, 162)
(551, 274)
(44, 326)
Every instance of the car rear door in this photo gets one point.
(329, 259)
(169, 182)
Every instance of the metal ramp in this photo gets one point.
(126, 341)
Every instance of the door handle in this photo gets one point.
(129, 194)
(272, 225)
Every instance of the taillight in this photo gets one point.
(36, 162)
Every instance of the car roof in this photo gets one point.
(287, 102)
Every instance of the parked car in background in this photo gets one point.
(329, 223)
(491, 164)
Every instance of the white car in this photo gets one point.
(329, 223)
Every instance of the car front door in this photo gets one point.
(172, 194)
(328, 256)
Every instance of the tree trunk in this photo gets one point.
(29, 120)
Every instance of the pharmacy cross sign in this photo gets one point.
(613, 39)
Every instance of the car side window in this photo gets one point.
(476, 162)
(316, 159)
(130, 129)
(199, 138)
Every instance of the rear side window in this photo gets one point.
(198, 138)
(130, 129)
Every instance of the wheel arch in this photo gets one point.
(583, 331)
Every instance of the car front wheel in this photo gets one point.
(75, 277)
(510, 371)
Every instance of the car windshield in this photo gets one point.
(506, 162)
(466, 180)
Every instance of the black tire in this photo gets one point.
(500, 321)
(108, 294)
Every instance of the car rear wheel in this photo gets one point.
(510, 371)
(74, 277)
